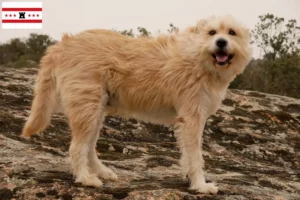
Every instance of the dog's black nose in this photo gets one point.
(221, 43)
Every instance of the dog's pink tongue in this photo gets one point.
(221, 58)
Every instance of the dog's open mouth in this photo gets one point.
(222, 58)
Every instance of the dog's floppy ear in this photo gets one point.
(192, 29)
(248, 32)
(201, 23)
(196, 29)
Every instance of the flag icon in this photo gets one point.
(22, 15)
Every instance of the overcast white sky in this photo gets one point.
(60, 16)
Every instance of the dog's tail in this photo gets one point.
(44, 99)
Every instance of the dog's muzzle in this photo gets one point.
(221, 55)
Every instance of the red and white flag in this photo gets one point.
(22, 15)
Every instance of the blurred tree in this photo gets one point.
(11, 51)
(21, 51)
(276, 38)
(279, 67)
(172, 28)
(37, 45)
(143, 32)
(127, 32)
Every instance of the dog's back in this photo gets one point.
(127, 67)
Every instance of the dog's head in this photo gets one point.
(221, 44)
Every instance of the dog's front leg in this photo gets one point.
(189, 130)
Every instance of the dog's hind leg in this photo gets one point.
(95, 164)
(84, 104)
(189, 130)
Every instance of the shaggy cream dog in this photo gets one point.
(177, 79)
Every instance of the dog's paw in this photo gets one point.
(107, 174)
(206, 188)
(25, 137)
(91, 180)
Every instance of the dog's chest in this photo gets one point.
(211, 99)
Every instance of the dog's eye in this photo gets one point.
(231, 32)
(212, 32)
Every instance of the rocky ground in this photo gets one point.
(252, 151)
